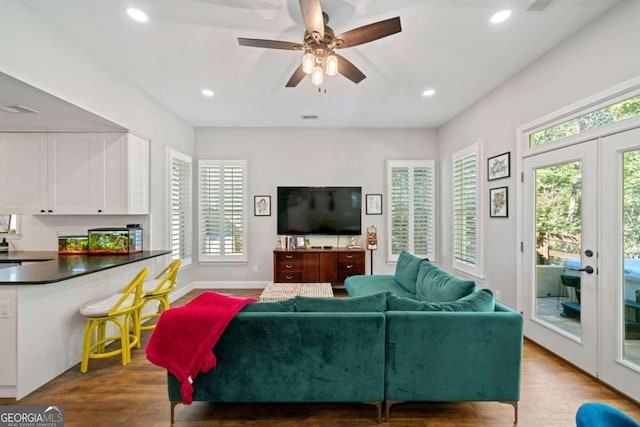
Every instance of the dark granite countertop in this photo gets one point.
(49, 267)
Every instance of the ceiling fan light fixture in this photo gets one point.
(308, 61)
(331, 64)
(317, 77)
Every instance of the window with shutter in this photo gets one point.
(410, 207)
(466, 210)
(180, 206)
(222, 210)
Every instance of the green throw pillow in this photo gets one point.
(407, 269)
(270, 306)
(481, 300)
(436, 285)
(365, 303)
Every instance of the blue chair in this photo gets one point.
(601, 415)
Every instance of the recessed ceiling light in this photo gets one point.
(207, 92)
(428, 92)
(501, 16)
(137, 14)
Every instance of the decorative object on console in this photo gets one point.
(499, 202)
(374, 204)
(262, 205)
(499, 166)
(300, 242)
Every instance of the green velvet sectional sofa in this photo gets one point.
(377, 345)
(444, 340)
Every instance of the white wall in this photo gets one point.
(315, 157)
(603, 54)
(41, 55)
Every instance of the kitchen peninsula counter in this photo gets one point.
(49, 267)
(41, 328)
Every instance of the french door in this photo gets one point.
(560, 252)
(581, 256)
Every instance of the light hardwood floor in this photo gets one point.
(135, 395)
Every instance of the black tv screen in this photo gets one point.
(320, 210)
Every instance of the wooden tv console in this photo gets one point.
(317, 265)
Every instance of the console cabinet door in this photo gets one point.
(327, 268)
(23, 173)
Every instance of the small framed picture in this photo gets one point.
(373, 204)
(300, 242)
(499, 166)
(499, 202)
(5, 223)
(262, 205)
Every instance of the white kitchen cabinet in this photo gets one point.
(23, 173)
(74, 174)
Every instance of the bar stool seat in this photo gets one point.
(122, 310)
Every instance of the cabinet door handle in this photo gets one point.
(289, 277)
(49, 211)
(99, 210)
(288, 256)
(350, 256)
(42, 211)
(350, 266)
(288, 266)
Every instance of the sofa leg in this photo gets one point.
(387, 411)
(515, 410)
(173, 408)
(378, 406)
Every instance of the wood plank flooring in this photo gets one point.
(136, 395)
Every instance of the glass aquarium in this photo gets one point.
(115, 240)
(72, 245)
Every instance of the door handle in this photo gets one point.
(588, 269)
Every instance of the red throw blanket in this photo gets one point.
(183, 339)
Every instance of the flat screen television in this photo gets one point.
(320, 210)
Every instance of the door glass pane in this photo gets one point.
(631, 249)
(558, 203)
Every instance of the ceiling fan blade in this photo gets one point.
(313, 19)
(350, 71)
(270, 44)
(297, 77)
(369, 33)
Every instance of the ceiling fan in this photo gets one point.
(320, 41)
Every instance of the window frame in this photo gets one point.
(187, 255)
(475, 269)
(224, 258)
(411, 164)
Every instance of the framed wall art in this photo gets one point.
(499, 202)
(262, 205)
(5, 223)
(373, 204)
(499, 166)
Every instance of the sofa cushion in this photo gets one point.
(481, 300)
(436, 285)
(407, 269)
(366, 303)
(367, 285)
(270, 306)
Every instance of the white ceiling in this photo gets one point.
(447, 45)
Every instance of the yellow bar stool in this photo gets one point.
(159, 289)
(121, 309)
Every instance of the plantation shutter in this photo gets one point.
(466, 210)
(410, 201)
(180, 207)
(222, 185)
